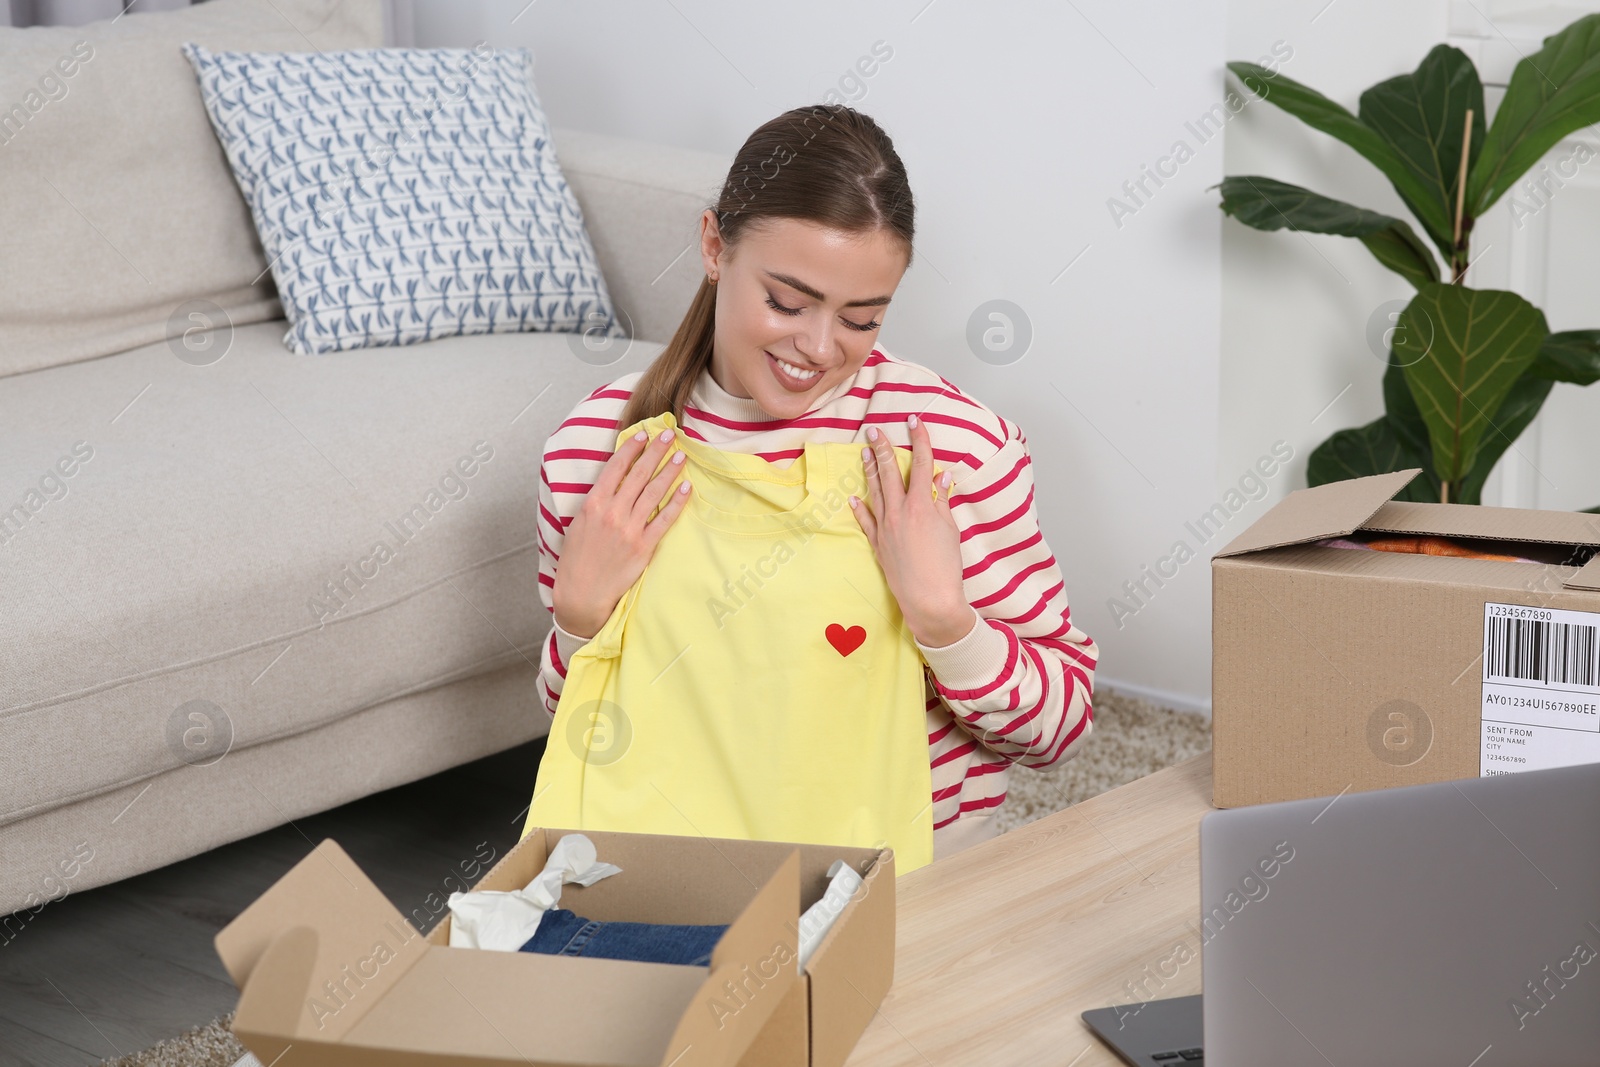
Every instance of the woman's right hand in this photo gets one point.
(612, 537)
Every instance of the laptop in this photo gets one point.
(1454, 923)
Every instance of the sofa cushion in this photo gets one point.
(266, 541)
(110, 172)
(642, 203)
(404, 194)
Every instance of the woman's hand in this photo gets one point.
(612, 537)
(915, 538)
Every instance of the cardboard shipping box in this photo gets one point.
(1338, 669)
(331, 974)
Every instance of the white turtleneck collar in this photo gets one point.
(707, 395)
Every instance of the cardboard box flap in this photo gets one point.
(775, 908)
(1495, 524)
(358, 940)
(1335, 509)
(752, 968)
(853, 968)
(270, 1007)
(321, 988)
(1588, 576)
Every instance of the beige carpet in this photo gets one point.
(1132, 738)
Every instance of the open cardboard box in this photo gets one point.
(331, 974)
(1336, 669)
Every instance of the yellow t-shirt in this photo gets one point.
(770, 689)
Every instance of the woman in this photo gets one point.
(803, 252)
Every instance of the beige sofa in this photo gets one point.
(199, 638)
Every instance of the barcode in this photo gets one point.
(1558, 653)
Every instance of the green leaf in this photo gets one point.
(1370, 449)
(1320, 113)
(1513, 416)
(1462, 350)
(1268, 204)
(1395, 442)
(1518, 409)
(1422, 116)
(1570, 356)
(1401, 408)
(1552, 93)
(1405, 421)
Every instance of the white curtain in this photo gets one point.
(74, 12)
(397, 16)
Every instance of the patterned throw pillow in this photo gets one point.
(404, 194)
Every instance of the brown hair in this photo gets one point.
(827, 164)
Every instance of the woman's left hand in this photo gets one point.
(915, 538)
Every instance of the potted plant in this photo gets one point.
(1468, 368)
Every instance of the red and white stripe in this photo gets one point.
(1017, 689)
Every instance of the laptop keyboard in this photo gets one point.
(1174, 1025)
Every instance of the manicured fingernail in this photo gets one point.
(677, 457)
(866, 455)
(684, 488)
(911, 420)
(872, 433)
(640, 436)
(854, 502)
(666, 435)
(944, 480)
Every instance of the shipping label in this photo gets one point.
(1541, 688)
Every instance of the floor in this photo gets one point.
(61, 1005)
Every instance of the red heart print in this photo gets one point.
(845, 641)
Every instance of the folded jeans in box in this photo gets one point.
(330, 973)
(518, 919)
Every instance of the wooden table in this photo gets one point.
(1001, 946)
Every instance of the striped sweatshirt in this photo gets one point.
(1016, 689)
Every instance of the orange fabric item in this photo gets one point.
(1434, 546)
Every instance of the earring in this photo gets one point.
(713, 278)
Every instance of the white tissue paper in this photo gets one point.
(505, 921)
(818, 919)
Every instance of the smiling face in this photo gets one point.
(799, 307)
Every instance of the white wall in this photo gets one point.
(1017, 123)
(1296, 363)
